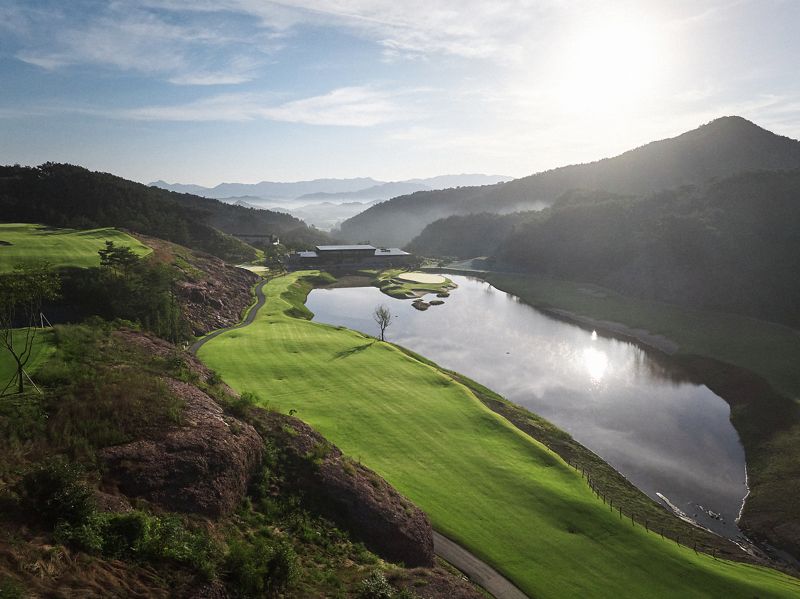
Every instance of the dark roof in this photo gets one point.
(333, 248)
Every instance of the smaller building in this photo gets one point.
(349, 256)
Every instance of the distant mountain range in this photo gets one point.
(362, 188)
(719, 149)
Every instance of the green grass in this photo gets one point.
(42, 349)
(392, 286)
(770, 350)
(482, 482)
(31, 244)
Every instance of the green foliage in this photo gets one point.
(261, 568)
(240, 405)
(11, 589)
(138, 535)
(129, 288)
(63, 195)
(54, 492)
(375, 586)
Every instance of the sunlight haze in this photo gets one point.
(245, 90)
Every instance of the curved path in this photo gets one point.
(248, 319)
(473, 567)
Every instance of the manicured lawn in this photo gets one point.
(768, 349)
(390, 282)
(31, 244)
(482, 482)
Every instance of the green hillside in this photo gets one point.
(482, 482)
(719, 149)
(30, 244)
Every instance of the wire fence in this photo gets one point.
(637, 520)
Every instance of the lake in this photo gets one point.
(667, 435)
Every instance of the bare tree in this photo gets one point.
(383, 317)
(21, 295)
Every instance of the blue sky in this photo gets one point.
(245, 90)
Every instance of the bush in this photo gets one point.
(11, 589)
(261, 568)
(375, 586)
(53, 492)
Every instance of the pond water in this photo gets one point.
(670, 437)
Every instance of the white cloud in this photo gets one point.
(346, 106)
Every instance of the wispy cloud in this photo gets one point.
(125, 36)
(346, 107)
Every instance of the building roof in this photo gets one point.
(390, 252)
(307, 254)
(333, 248)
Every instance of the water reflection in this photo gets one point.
(665, 433)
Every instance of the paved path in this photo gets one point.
(251, 316)
(476, 570)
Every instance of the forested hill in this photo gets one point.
(732, 245)
(64, 195)
(724, 147)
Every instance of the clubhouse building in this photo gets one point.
(348, 256)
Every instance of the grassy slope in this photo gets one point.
(770, 350)
(482, 482)
(42, 348)
(59, 247)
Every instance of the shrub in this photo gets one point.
(240, 405)
(88, 535)
(11, 589)
(374, 586)
(53, 492)
(125, 533)
(261, 568)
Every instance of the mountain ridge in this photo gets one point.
(718, 149)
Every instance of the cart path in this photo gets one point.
(476, 570)
(473, 567)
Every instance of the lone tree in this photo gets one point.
(21, 295)
(383, 317)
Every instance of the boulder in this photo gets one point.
(201, 466)
(350, 494)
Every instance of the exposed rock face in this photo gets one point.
(201, 466)
(214, 294)
(350, 494)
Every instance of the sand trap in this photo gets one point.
(422, 277)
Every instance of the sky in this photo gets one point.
(202, 91)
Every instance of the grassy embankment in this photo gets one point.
(764, 407)
(483, 483)
(30, 244)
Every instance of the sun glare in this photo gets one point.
(609, 66)
(596, 363)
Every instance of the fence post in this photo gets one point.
(647, 526)
(620, 512)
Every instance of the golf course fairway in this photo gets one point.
(23, 243)
(483, 483)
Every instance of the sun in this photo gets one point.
(609, 66)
